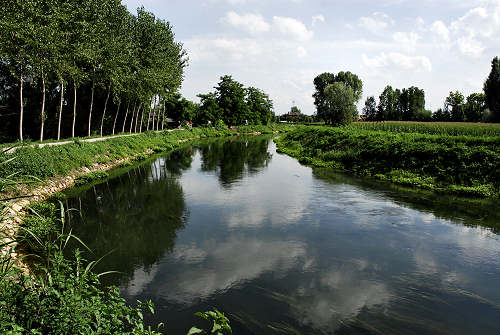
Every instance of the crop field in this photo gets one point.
(433, 128)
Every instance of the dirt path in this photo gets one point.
(96, 139)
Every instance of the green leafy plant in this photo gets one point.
(220, 323)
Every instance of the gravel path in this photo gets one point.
(96, 139)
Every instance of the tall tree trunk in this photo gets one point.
(91, 100)
(137, 118)
(21, 111)
(142, 119)
(60, 111)
(132, 118)
(42, 114)
(91, 105)
(164, 110)
(149, 114)
(74, 110)
(154, 113)
(105, 106)
(159, 112)
(125, 118)
(116, 116)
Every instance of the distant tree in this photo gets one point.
(440, 116)
(474, 107)
(411, 101)
(322, 81)
(340, 104)
(261, 107)
(209, 109)
(492, 90)
(388, 104)
(231, 96)
(454, 104)
(424, 115)
(370, 109)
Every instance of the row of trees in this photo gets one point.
(109, 58)
(234, 104)
(409, 104)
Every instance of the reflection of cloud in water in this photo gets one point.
(338, 294)
(226, 265)
(253, 201)
(140, 279)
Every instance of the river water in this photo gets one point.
(282, 249)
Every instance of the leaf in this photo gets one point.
(194, 330)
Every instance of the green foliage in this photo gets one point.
(492, 89)
(235, 105)
(91, 177)
(322, 81)
(50, 161)
(434, 128)
(340, 108)
(459, 164)
(220, 323)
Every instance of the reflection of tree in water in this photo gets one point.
(137, 215)
(179, 161)
(471, 212)
(230, 159)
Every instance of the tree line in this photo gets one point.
(234, 104)
(64, 61)
(409, 104)
(336, 95)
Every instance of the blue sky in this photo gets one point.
(281, 45)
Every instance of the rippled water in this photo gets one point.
(283, 249)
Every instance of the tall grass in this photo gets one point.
(433, 128)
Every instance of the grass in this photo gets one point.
(433, 128)
(43, 163)
(461, 164)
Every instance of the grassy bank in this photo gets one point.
(465, 165)
(50, 161)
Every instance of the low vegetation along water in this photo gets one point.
(282, 248)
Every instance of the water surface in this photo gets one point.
(283, 249)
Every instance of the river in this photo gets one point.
(285, 249)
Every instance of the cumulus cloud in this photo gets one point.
(407, 41)
(440, 32)
(480, 26)
(252, 23)
(293, 28)
(376, 23)
(398, 60)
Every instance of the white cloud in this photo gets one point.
(252, 23)
(292, 27)
(479, 27)
(398, 60)
(470, 46)
(440, 32)
(376, 23)
(408, 41)
(317, 18)
(202, 49)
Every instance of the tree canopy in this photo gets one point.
(492, 89)
(97, 49)
(322, 81)
(234, 104)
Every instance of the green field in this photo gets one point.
(460, 159)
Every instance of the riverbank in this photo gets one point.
(36, 173)
(463, 165)
(31, 175)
